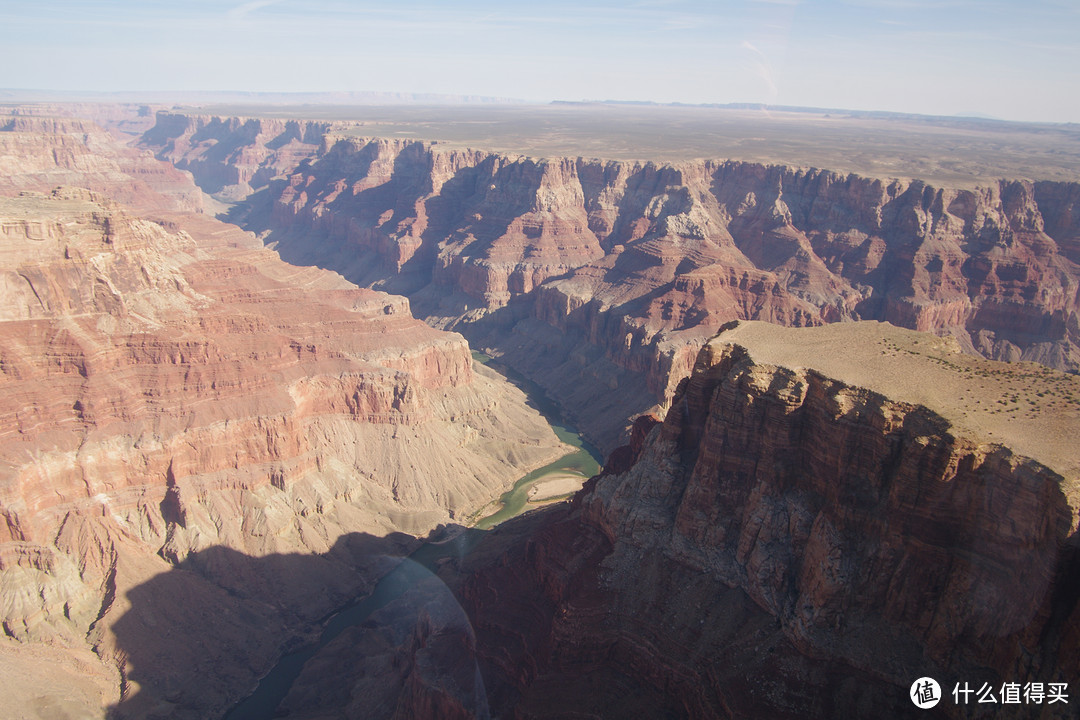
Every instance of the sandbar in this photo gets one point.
(556, 485)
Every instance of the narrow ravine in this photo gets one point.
(568, 471)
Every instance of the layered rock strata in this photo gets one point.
(175, 399)
(803, 536)
(41, 153)
(594, 277)
(124, 121)
(861, 488)
(233, 157)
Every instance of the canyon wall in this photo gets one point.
(891, 538)
(600, 280)
(42, 152)
(177, 400)
(233, 157)
(794, 540)
(124, 121)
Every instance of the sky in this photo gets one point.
(999, 58)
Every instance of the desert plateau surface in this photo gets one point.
(303, 408)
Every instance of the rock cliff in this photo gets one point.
(41, 153)
(175, 399)
(594, 276)
(803, 537)
(233, 157)
(205, 450)
(125, 121)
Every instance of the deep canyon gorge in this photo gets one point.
(838, 414)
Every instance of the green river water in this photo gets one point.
(583, 461)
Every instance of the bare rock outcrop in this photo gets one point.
(39, 152)
(808, 531)
(125, 121)
(177, 401)
(594, 277)
(233, 157)
(804, 536)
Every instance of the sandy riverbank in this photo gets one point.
(555, 485)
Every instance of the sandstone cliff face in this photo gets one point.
(233, 157)
(175, 399)
(124, 121)
(787, 545)
(41, 153)
(619, 271)
(792, 541)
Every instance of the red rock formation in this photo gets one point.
(124, 121)
(170, 390)
(789, 545)
(623, 457)
(619, 271)
(232, 157)
(41, 153)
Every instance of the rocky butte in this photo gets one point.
(866, 477)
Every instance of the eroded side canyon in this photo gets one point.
(206, 450)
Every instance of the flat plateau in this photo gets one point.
(1033, 410)
(954, 152)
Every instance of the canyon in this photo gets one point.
(824, 515)
(606, 277)
(836, 408)
(818, 521)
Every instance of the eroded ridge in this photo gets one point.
(601, 279)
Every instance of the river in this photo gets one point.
(582, 463)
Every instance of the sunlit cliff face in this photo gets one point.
(601, 279)
(177, 397)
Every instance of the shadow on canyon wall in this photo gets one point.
(543, 617)
(196, 639)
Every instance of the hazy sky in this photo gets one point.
(1008, 59)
